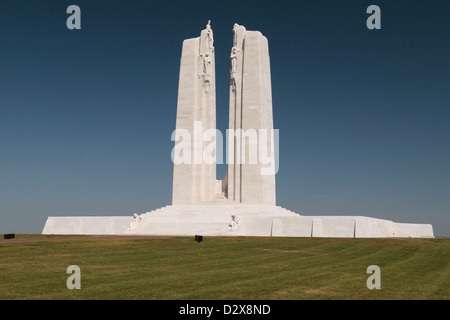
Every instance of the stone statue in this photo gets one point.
(235, 26)
(233, 57)
(235, 220)
(206, 64)
(135, 221)
(209, 35)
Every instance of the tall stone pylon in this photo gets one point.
(250, 118)
(249, 209)
(194, 179)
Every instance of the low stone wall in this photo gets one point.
(229, 220)
(87, 225)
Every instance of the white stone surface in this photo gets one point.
(243, 203)
(196, 113)
(87, 225)
(250, 111)
(236, 220)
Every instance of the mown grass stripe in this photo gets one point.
(226, 268)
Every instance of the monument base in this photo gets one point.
(235, 220)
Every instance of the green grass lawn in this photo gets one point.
(225, 268)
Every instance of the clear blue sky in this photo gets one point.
(86, 115)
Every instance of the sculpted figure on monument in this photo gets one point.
(135, 221)
(206, 64)
(234, 34)
(209, 35)
(233, 57)
(235, 220)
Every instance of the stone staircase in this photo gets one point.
(209, 218)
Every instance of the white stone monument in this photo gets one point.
(244, 202)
